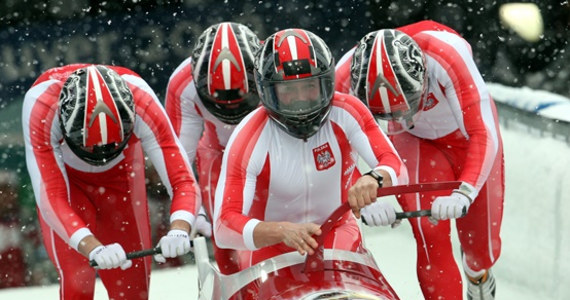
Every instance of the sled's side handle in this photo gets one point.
(139, 254)
(413, 214)
(135, 254)
(407, 214)
(315, 262)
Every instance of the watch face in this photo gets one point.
(376, 176)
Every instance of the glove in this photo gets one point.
(379, 213)
(176, 242)
(110, 257)
(452, 206)
(202, 226)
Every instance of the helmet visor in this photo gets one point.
(397, 125)
(401, 118)
(299, 97)
(229, 106)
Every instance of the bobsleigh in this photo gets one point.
(326, 274)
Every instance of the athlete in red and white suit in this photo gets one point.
(203, 122)
(295, 180)
(290, 164)
(77, 201)
(203, 136)
(455, 137)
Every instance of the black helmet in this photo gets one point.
(295, 77)
(388, 73)
(222, 64)
(96, 113)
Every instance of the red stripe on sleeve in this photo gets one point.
(239, 154)
(257, 210)
(342, 77)
(41, 121)
(173, 104)
(427, 25)
(351, 104)
(383, 150)
(180, 175)
(346, 160)
(469, 99)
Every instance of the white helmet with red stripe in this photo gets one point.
(222, 63)
(388, 73)
(96, 113)
(295, 76)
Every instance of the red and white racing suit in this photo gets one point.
(76, 199)
(456, 137)
(268, 175)
(204, 137)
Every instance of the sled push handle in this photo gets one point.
(315, 262)
(139, 254)
(407, 215)
(413, 214)
(135, 254)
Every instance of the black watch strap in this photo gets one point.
(376, 176)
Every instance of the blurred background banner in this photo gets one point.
(149, 37)
(152, 37)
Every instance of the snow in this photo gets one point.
(535, 255)
(544, 103)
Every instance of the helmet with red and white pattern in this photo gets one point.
(295, 76)
(388, 73)
(222, 64)
(96, 113)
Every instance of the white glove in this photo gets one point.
(176, 242)
(110, 257)
(202, 226)
(450, 207)
(379, 213)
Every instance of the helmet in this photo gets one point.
(295, 77)
(388, 73)
(96, 113)
(222, 62)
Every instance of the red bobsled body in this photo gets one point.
(327, 274)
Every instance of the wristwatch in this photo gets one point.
(376, 176)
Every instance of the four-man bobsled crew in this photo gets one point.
(276, 130)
